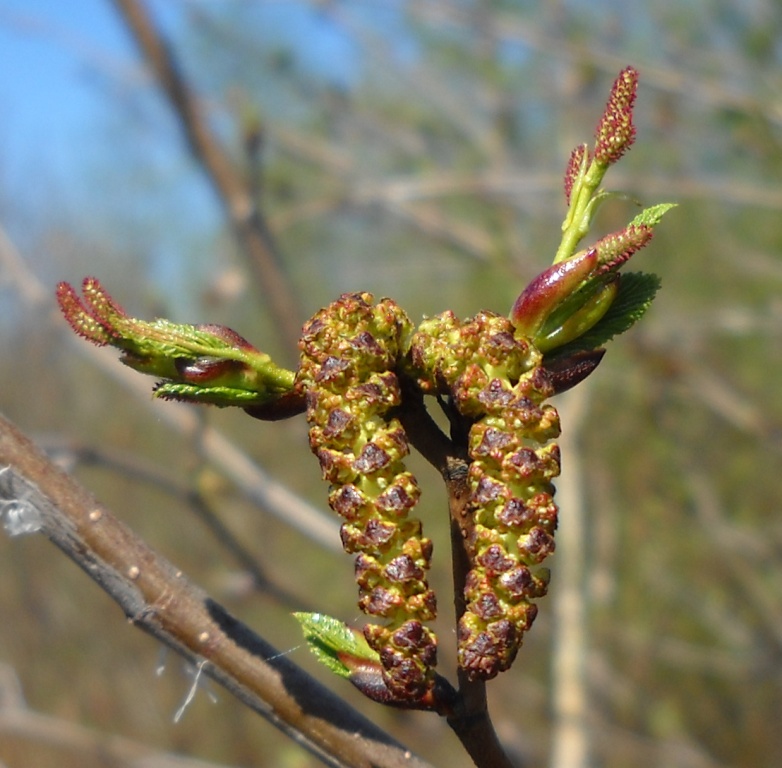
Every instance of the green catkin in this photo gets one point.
(349, 351)
(497, 380)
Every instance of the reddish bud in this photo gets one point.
(615, 249)
(577, 314)
(575, 167)
(568, 370)
(228, 335)
(368, 677)
(95, 316)
(290, 404)
(546, 291)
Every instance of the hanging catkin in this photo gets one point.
(349, 351)
(496, 380)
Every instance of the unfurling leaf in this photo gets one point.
(334, 643)
(197, 363)
(636, 292)
(652, 215)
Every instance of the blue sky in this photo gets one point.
(62, 64)
(69, 73)
(53, 55)
(57, 54)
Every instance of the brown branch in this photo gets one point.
(157, 598)
(249, 224)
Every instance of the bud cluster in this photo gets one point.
(349, 351)
(496, 379)
(203, 363)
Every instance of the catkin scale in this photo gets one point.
(349, 351)
(496, 380)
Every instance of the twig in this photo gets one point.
(158, 599)
(248, 222)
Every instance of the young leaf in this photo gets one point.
(198, 363)
(651, 216)
(219, 396)
(334, 643)
(636, 292)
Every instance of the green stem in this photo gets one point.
(583, 203)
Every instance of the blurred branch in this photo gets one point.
(619, 745)
(31, 738)
(251, 228)
(521, 182)
(570, 697)
(759, 594)
(402, 202)
(406, 196)
(449, 103)
(256, 484)
(727, 402)
(157, 598)
(517, 27)
(70, 453)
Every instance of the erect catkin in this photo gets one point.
(497, 381)
(349, 351)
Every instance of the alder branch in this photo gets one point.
(157, 598)
(250, 226)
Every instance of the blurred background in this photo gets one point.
(415, 150)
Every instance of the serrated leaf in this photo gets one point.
(636, 292)
(651, 216)
(219, 396)
(329, 639)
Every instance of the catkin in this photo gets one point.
(349, 351)
(497, 381)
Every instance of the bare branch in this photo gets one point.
(157, 598)
(248, 222)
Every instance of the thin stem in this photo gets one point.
(584, 202)
(422, 430)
